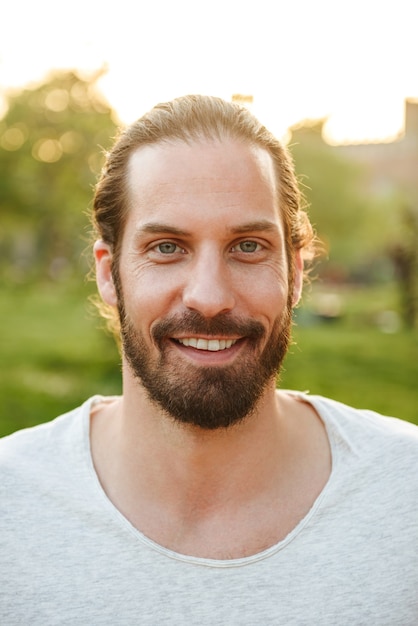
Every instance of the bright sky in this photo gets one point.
(354, 62)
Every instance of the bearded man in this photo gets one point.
(203, 494)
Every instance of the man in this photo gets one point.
(203, 495)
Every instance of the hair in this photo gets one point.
(190, 119)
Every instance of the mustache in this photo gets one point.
(193, 323)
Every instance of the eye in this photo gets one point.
(167, 247)
(248, 246)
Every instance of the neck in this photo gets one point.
(183, 486)
(162, 453)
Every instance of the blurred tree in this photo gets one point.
(404, 255)
(51, 143)
(348, 219)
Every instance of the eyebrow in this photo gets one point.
(160, 227)
(256, 226)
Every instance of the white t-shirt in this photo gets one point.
(68, 556)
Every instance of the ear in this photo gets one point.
(298, 277)
(104, 280)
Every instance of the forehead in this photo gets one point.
(216, 176)
(224, 163)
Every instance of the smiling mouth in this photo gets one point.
(211, 345)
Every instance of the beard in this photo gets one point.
(209, 397)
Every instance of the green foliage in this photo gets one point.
(365, 368)
(362, 357)
(54, 353)
(350, 221)
(51, 140)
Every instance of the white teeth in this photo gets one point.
(213, 345)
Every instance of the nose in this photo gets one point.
(208, 288)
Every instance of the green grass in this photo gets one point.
(356, 358)
(365, 368)
(55, 355)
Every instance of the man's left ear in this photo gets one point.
(298, 277)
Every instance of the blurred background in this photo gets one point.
(337, 83)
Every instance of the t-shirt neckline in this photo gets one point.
(121, 520)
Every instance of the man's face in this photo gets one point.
(204, 296)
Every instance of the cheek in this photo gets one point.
(148, 295)
(265, 293)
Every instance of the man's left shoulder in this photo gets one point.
(374, 419)
(365, 429)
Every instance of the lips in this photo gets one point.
(192, 330)
(212, 345)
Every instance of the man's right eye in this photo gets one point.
(168, 247)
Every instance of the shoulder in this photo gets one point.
(370, 439)
(364, 417)
(375, 465)
(366, 434)
(29, 454)
(35, 437)
(362, 420)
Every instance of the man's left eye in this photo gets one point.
(167, 247)
(248, 246)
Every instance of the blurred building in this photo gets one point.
(393, 164)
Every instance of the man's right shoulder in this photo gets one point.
(31, 450)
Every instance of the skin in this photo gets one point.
(204, 226)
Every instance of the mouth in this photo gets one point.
(209, 345)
